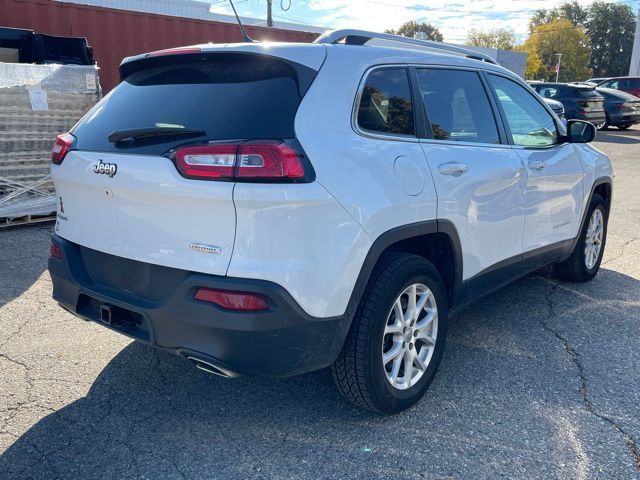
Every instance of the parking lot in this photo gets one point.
(539, 380)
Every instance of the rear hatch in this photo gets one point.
(588, 103)
(121, 187)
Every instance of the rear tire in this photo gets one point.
(626, 126)
(584, 262)
(388, 333)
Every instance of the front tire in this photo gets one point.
(397, 336)
(584, 262)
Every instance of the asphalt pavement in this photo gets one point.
(539, 380)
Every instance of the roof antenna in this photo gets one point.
(245, 36)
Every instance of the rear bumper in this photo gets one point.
(280, 341)
(624, 118)
(596, 117)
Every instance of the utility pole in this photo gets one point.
(634, 66)
(559, 55)
(269, 15)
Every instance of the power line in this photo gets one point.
(289, 19)
(221, 2)
(420, 8)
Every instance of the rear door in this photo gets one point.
(125, 195)
(633, 86)
(480, 181)
(554, 191)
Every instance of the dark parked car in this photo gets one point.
(597, 80)
(626, 84)
(622, 108)
(581, 101)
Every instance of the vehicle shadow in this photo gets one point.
(23, 258)
(503, 379)
(621, 137)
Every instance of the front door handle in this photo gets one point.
(455, 169)
(537, 165)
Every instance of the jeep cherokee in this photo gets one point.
(276, 208)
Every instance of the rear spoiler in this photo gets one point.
(304, 75)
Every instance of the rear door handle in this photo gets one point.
(455, 169)
(537, 165)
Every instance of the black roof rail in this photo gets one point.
(361, 37)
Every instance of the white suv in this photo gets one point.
(276, 208)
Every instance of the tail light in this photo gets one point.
(55, 251)
(244, 161)
(204, 161)
(268, 161)
(61, 146)
(240, 301)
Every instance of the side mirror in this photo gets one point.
(579, 131)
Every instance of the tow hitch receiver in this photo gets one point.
(106, 314)
(126, 321)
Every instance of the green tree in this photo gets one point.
(409, 29)
(611, 27)
(558, 36)
(572, 11)
(533, 61)
(502, 38)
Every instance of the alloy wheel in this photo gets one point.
(593, 241)
(410, 335)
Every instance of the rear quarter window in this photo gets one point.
(548, 92)
(385, 103)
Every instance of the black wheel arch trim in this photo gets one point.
(405, 232)
(597, 182)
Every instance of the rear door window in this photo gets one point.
(457, 106)
(385, 103)
(226, 96)
(530, 123)
(548, 92)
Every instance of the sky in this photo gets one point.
(453, 18)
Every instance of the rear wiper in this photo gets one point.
(153, 132)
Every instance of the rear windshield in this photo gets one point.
(617, 94)
(590, 93)
(227, 96)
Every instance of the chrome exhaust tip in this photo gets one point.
(209, 367)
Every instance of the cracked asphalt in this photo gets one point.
(539, 380)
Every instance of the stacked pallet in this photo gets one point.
(37, 102)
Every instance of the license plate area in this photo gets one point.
(121, 319)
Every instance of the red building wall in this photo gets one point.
(115, 34)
